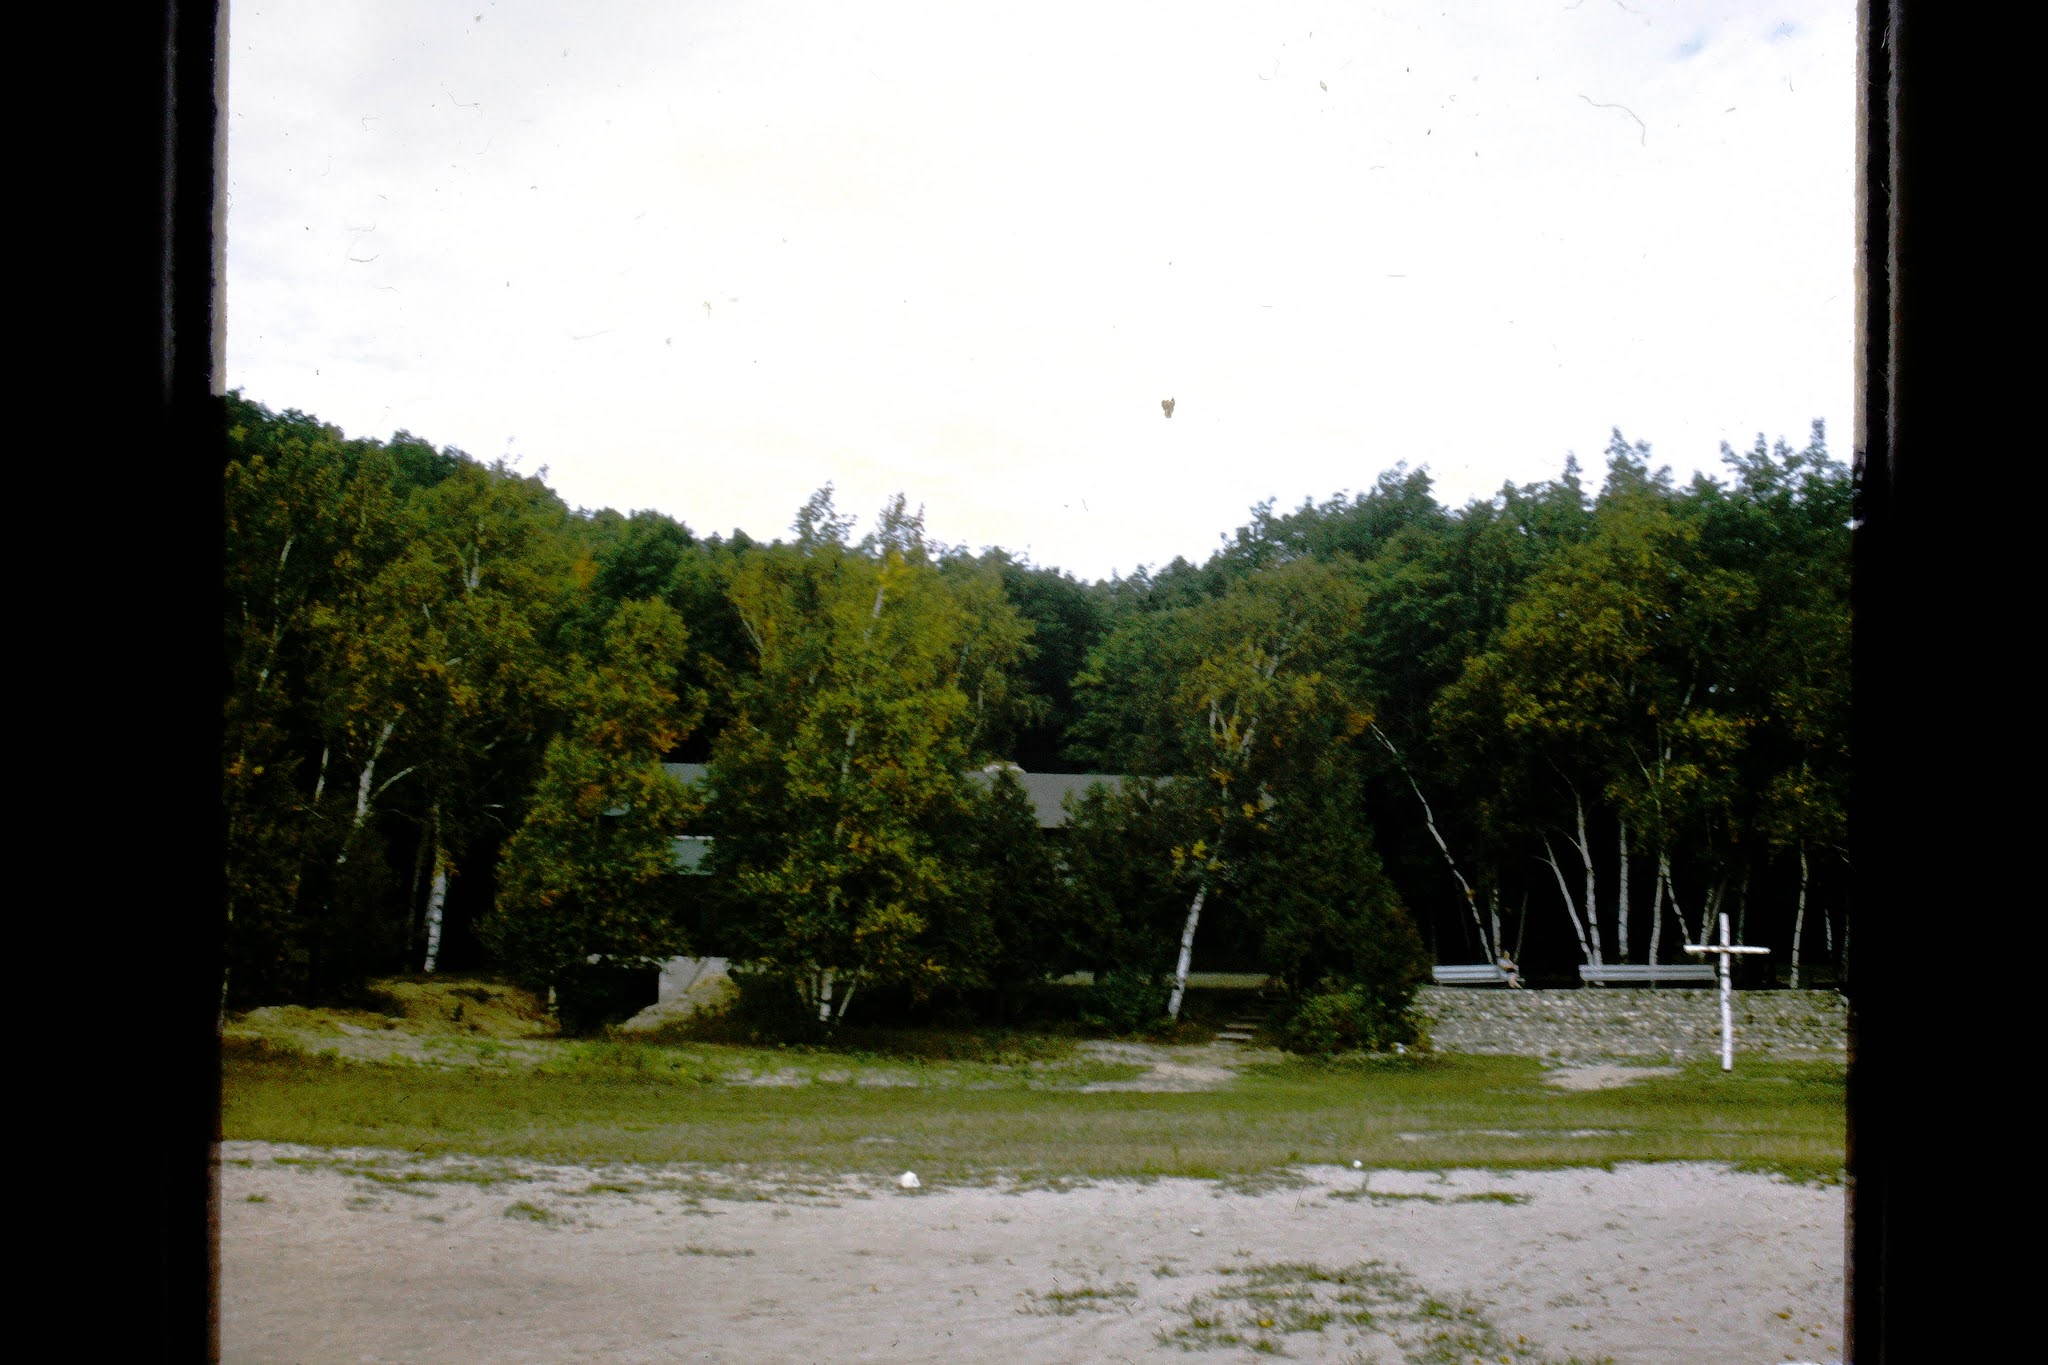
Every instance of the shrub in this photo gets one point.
(1349, 1018)
(1124, 1000)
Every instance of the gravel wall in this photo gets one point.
(1589, 1023)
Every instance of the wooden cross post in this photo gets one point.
(1725, 950)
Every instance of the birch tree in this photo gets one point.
(1605, 676)
(485, 579)
(1248, 702)
(834, 786)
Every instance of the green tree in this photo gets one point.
(836, 785)
(1250, 702)
(1027, 921)
(1128, 890)
(472, 606)
(1067, 618)
(1601, 694)
(289, 489)
(590, 874)
(1782, 520)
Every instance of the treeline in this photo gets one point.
(1549, 724)
(1596, 721)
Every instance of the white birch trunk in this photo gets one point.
(1657, 909)
(369, 774)
(1799, 919)
(1592, 891)
(1827, 928)
(364, 779)
(1677, 910)
(825, 996)
(1187, 950)
(1492, 946)
(1493, 915)
(1621, 892)
(437, 896)
(1570, 908)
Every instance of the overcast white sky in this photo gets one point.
(705, 257)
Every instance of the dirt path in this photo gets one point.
(506, 1262)
(1207, 1066)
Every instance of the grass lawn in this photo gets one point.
(977, 1121)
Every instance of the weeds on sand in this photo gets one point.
(1087, 1298)
(379, 1170)
(1261, 1182)
(1259, 1306)
(532, 1213)
(1031, 1181)
(1382, 1198)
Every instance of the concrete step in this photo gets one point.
(1245, 1027)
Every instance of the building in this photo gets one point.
(1047, 793)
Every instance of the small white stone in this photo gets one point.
(1358, 1165)
(1194, 1232)
(908, 1180)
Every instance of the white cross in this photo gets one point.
(1725, 950)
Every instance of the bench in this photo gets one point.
(1469, 974)
(1649, 974)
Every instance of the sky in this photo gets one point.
(708, 257)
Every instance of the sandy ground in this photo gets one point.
(1655, 1264)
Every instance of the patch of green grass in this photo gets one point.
(720, 1253)
(1265, 1181)
(532, 1213)
(1087, 1298)
(983, 1046)
(1383, 1197)
(1259, 1306)
(382, 1170)
(1043, 1180)
(611, 1103)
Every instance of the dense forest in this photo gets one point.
(1558, 724)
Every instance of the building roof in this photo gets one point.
(1046, 791)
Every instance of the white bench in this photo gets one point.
(1469, 974)
(1648, 974)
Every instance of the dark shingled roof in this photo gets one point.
(1046, 791)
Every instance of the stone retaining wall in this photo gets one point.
(1591, 1023)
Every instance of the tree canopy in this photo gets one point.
(1555, 724)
